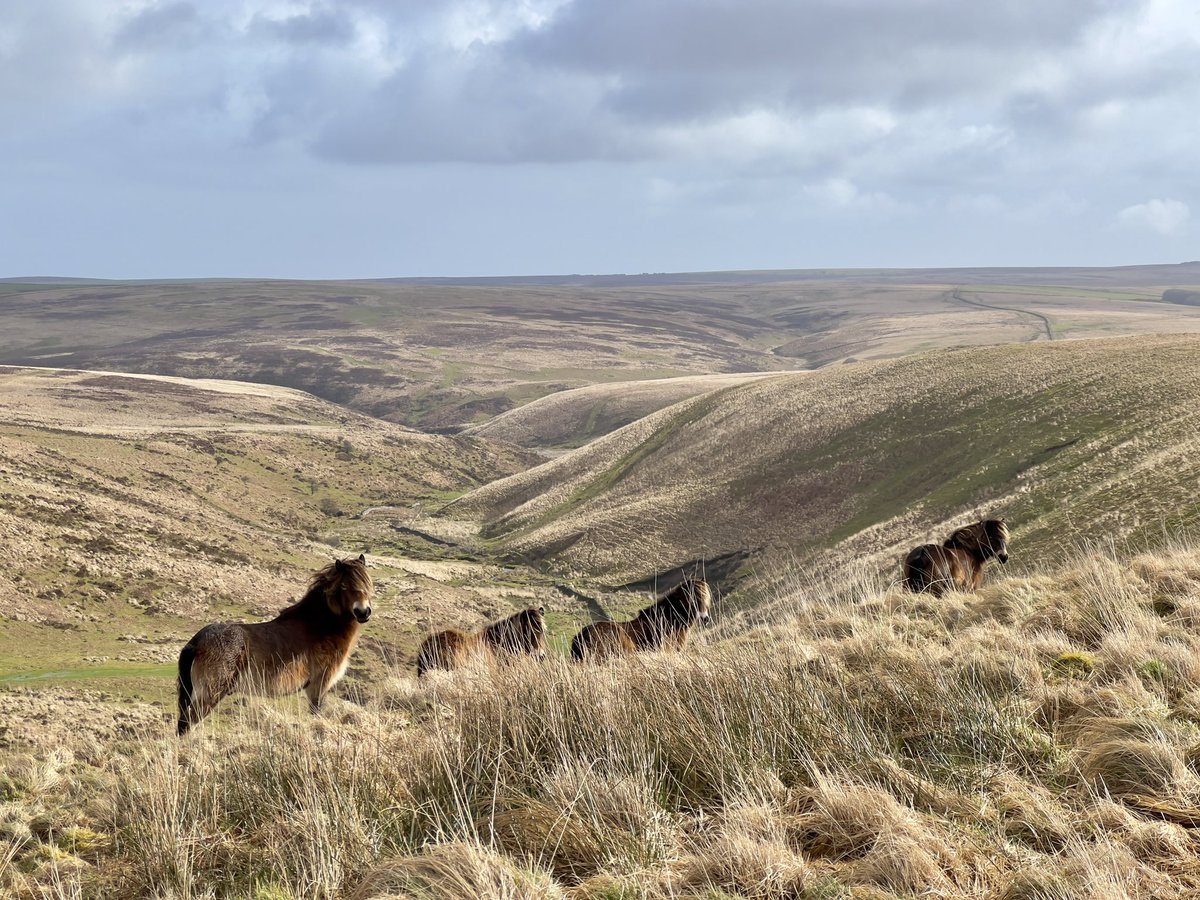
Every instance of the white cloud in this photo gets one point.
(1167, 217)
(844, 195)
(1004, 129)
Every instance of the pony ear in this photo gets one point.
(338, 564)
(362, 557)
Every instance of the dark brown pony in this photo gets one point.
(661, 626)
(958, 563)
(523, 633)
(306, 647)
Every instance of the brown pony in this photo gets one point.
(958, 563)
(523, 633)
(664, 625)
(306, 647)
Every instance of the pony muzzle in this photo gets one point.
(362, 613)
(1003, 557)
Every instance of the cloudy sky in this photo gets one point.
(149, 138)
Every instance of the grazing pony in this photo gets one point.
(958, 563)
(306, 647)
(523, 633)
(663, 625)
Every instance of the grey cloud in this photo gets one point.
(158, 27)
(317, 26)
(872, 50)
(486, 108)
(614, 79)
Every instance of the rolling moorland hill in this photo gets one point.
(133, 509)
(448, 354)
(572, 418)
(1069, 440)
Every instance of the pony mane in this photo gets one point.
(525, 630)
(341, 573)
(680, 604)
(979, 535)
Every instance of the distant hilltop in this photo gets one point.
(1184, 273)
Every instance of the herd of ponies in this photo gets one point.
(307, 646)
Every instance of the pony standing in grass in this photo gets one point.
(662, 626)
(523, 633)
(958, 563)
(306, 647)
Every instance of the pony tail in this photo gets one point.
(918, 569)
(185, 687)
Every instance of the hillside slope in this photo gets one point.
(1069, 440)
(133, 509)
(574, 417)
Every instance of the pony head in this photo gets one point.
(348, 587)
(533, 630)
(996, 532)
(524, 632)
(698, 596)
(982, 539)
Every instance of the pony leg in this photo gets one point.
(202, 704)
(318, 686)
(315, 690)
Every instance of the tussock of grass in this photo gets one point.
(861, 743)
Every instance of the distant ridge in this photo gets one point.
(1164, 273)
(1169, 273)
(53, 279)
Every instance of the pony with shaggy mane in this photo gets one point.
(958, 563)
(521, 634)
(306, 647)
(661, 626)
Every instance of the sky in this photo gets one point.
(377, 138)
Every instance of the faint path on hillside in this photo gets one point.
(957, 294)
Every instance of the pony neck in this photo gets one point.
(665, 614)
(314, 607)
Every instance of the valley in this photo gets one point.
(176, 453)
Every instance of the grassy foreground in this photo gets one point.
(1040, 739)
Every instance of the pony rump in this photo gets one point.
(523, 633)
(186, 655)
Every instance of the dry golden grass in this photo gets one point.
(854, 743)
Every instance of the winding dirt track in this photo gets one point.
(957, 294)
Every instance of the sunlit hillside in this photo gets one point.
(1070, 440)
(575, 417)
